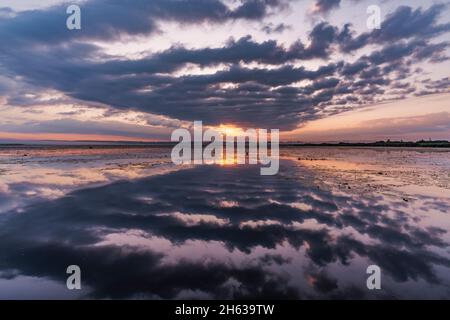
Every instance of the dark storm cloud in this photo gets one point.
(257, 9)
(235, 51)
(443, 83)
(111, 19)
(325, 6)
(395, 51)
(322, 282)
(244, 49)
(408, 23)
(403, 23)
(435, 52)
(173, 96)
(279, 28)
(392, 60)
(353, 68)
(321, 37)
(248, 96)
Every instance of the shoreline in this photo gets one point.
(412, 145)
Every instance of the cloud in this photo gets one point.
(243, 82)
(325, 6)
(412, 127)
(279, 28)
(397, 126)
(404, 23)
(103, 19)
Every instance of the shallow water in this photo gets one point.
(140, 227)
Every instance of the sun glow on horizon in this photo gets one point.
(229, 130)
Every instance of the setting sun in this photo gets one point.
(229, 130)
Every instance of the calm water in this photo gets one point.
(140, 227)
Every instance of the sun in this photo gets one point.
(229, 130)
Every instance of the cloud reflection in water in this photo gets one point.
(226, 232)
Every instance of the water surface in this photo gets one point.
(140, 227)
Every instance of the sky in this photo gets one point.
(137, 70)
